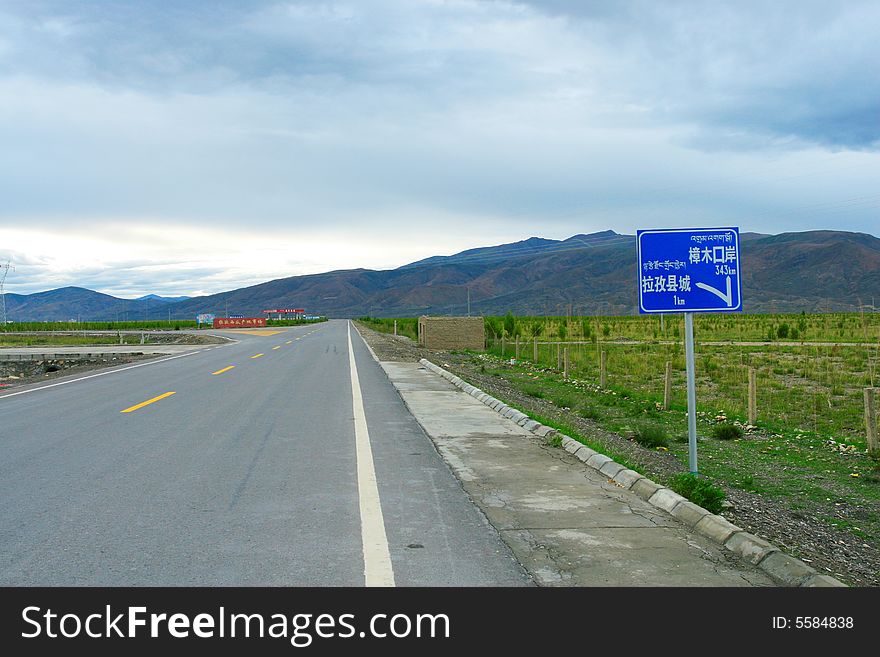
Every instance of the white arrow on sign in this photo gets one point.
(727, 298)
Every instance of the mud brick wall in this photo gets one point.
(452, 332)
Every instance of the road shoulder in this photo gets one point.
(567, 523)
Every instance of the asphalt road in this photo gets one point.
(255, 471)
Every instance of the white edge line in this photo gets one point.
(367, 344)
(378, 570)
(92, 376)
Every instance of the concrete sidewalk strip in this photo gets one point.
(757, 562)
(569, 525)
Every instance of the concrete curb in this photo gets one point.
(782, 568)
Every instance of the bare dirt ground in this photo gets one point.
(18, 373)
(827, 549)
(15, 373)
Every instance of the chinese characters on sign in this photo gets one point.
(689, 270)
(239, 322)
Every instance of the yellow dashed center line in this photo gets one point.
(256, 355)
(278, 347)
(225, 369)
(148, 402)
(288, 342)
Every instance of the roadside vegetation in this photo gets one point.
(54, 339)
(806, 451)
(814, 384)
(408, 326)
(152, 325)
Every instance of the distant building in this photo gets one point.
(452, 332)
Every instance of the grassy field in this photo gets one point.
(810, 375)
(816, 388)
(153, 325)
(831, 327)
(53, 339)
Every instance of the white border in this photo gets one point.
(737, 308)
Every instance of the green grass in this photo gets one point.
(651, 436)
(698, 490)
(814, 388)
(152, 325)
(408, 326)
(533, 391)
(65, 340)
(589, 413)
(825, 327)
(726, 431)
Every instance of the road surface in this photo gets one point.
(284, 459)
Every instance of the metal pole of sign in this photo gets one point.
(691, 391)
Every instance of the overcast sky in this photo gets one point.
(193, 147)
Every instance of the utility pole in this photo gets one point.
(469, 301)
(6, 267)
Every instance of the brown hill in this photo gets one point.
(810, 271)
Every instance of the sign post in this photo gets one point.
(691, 390)
(688, 270)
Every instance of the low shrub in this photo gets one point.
(699, 490)
(726, 431)
(651, 435)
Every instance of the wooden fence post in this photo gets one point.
(871, 423)
(516, 348)
(602, 369)
(753, 396)
(535, 351)
(565, 357)
(667, 385)
(558, 356)
(502, 346)
(395, 327)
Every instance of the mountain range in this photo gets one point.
(156, 297)
(813, 271)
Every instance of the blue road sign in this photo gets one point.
(689, 270)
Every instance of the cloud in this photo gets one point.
(132, 259)
(770, 71)
(420, 127)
